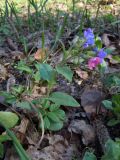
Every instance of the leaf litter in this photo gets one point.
(58, 147)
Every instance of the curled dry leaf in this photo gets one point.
(86, 130)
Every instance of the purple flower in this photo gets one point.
(90, 41)
(85, 45)
(88, 34)
(102, 54)
(89, 37)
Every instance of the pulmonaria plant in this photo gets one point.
(99, 55)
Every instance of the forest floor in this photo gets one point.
(39, 42)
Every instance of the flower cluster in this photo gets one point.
(89, 37)
(100, 54)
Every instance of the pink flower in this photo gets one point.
(94, 62)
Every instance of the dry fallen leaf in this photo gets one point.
(86, 130)
(91, 99)
(3, 72)
(38, 91)
(58, 149)
(81, 74)
(40, 54)
(21, 129)
(11, 154)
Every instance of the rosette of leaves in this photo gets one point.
(50, 108)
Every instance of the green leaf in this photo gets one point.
(113, 122)
(112, 151)
(103, 66)
(107, 104)
(8, 118)
(54, 107)
(46, 104)
(112, 80)
(9, 98)
(24, 105)
(109, 51)
(53, 116)
(116, 58)
(46, 122)
(18, 89)
(65, 71)
(55, 126)
(89, 156)
(37, 76)
(63, 99)
(60, 113)
(22, 66)
(46, 71)
(1, 150)
(98, 43)
(4, 138)
(25, 69)
(116, 100)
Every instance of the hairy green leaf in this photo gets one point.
(53, 116)
(46, 122)
(63, 99)
(8, 118)
(107, 104)
(46, 71)
(112, 151)
(65, 71)
(24, 105)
